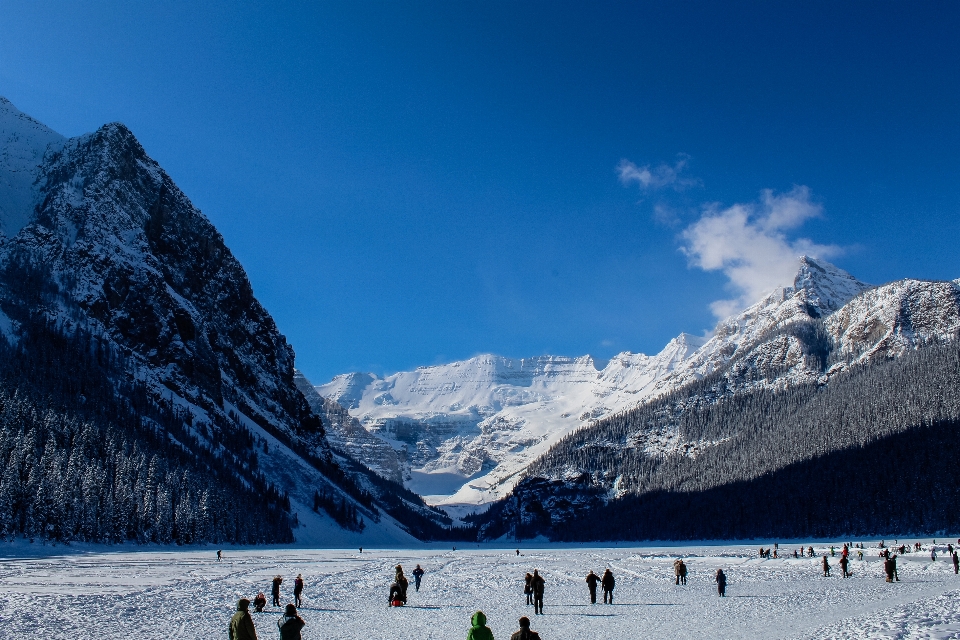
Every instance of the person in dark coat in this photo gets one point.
(401, 580)
(290, 624)
(528, 587)
(592, 580)
(608, 583)
(395, 599)
(297, 590)
(721, 580)
(259, 602)
(826, 567)
(956, 563)
(888, 569)
(843, 566)
(525, 633)
(538, 583)
(241, 624)
(417, 576)
(277, 581)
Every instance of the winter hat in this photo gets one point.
(524, 622)
(243, 604)
(291, 610)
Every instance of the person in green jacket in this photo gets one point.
(241, 624)
(479, 630)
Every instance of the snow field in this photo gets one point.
(170, 594)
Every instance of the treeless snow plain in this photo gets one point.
(188, 594)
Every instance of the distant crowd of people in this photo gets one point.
(291, 624)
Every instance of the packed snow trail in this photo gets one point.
(170, 594)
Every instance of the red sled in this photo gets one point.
(396, 603)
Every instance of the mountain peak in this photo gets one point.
(826, 286)
(23, 143)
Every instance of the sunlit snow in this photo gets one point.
(188, 594)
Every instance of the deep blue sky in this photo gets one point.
(411, 183)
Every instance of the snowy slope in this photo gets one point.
(99, 237)
(23, 143)
(469, 428)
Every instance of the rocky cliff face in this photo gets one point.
(470, 429)
(98, 237)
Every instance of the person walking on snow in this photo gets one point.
(417, 576)
(528, 587)
(956, 563)
(478, 628)
(290, 624)
(538, 585)
(525, 633)
(297, 590)
(401, 580)
(241, 624)
(219, 555)
(843, 566)
(721, 580)
(277, 581)
(826, 567)
(608, 583)
(592, 580)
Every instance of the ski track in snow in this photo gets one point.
(187, 594)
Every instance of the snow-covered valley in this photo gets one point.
(60, 593)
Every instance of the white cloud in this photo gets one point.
(653, 178)
(748, 244)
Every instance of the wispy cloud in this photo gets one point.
(749, 244)
(653, 178)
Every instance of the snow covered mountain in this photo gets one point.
(98, 239)
(469, 429)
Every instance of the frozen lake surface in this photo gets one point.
(187, 594)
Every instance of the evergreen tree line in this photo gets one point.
(91, 456)
(343, 513)
(754, 445)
